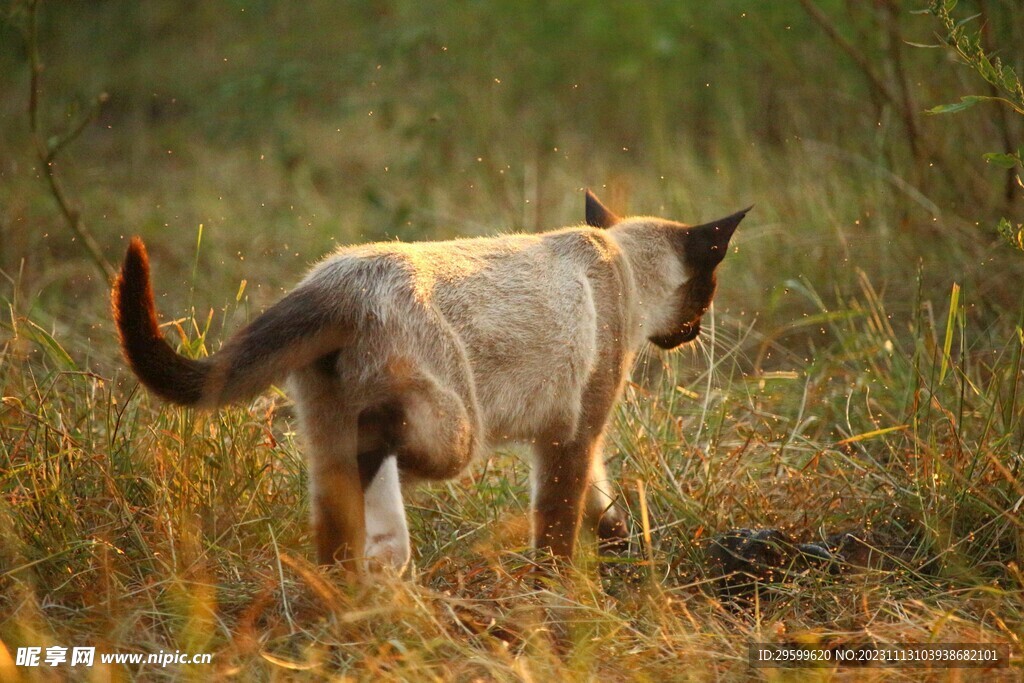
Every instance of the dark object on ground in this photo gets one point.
(740, 559)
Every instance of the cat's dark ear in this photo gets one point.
(598, 215)
(706, 245)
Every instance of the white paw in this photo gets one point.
(388, 551)
(387, 534)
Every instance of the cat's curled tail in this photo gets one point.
(291, 334)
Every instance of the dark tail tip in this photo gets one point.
(159, 367)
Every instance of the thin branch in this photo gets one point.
(94, 112)
(907, 104)
(919, 146)
(35, 67)
(850, 49)
(74, 221)
(47, 153)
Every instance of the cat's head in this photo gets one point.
(689, 273)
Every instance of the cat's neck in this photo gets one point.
(654, 271)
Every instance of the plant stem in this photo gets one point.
(47, 154)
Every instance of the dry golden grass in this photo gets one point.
(840, 386)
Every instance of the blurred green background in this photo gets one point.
(285, 128)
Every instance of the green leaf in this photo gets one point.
(987, 69)
(962, 22)
(964, 103)
(968, 102)
(1010, 79)
(1013, 236)
(1001, 160)
(48, 344)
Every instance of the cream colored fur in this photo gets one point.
(408, 361)
(497, 339)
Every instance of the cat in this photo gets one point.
(407, 361)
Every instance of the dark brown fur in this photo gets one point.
(165, 372)
(702, 248)
(598, 215)
(294, 332)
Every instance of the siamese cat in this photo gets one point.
(409, 361)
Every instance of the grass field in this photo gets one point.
(861, 370)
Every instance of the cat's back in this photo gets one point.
(523, 309)
(483, 271)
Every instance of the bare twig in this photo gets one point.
(920, 147)
(906, 99)
(47, 152)
(822, 20)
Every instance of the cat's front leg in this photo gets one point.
(603, 514)
(560, 480)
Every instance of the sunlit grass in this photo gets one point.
(838, 385)
(138, 527)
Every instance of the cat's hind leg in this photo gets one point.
(336, 499)
(331, 436)
(436, 434)
(387, 534)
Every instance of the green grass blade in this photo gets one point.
(954, 303)
(48, 344)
